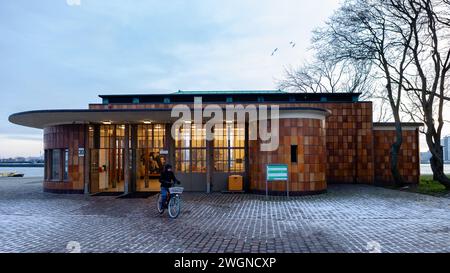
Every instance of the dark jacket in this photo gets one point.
(166, 179)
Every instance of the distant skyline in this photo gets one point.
(63, 53)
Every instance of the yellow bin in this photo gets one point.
(235, 183)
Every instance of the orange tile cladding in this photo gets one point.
(71, 137)
(354, 153)
(409, 161)
(304, 175)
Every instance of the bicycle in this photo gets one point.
(174, 202)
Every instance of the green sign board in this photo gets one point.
(277, 172)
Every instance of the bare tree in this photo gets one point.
(372, 32)
(427, 81)
(382, 109)
(327, 76)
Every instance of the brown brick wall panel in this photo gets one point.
(69, 137)
(409, 162)
(354, 153)
(308, 174)
(349, 128)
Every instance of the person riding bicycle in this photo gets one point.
(167, 180)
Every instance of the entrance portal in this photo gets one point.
(108, 160)
(151, 140)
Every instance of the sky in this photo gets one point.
(59, 54)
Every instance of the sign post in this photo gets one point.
(277, 172)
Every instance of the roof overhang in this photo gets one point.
(45, 118)
(390, 126)
(235, 96)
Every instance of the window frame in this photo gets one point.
(58, 166)
(230, 143)
(190, 149)
(294, 153)
(65, 161)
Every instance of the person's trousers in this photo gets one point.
(164, 193)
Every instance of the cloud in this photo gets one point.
(32, 137)
(20, 145)
(59, 58)
(238, 56)
(73, 2)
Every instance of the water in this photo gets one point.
(39, 171)
(28, 171)
(426, 169)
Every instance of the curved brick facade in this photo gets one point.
(59, 138)
(337, 142)
(308, 174)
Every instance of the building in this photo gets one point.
(446, 148)
(119, 144)
(425, 157)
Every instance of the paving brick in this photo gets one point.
(349, 218)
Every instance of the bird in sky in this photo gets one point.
(274, 51)
(292, 44)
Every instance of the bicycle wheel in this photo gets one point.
(174, 206)
(159, 207)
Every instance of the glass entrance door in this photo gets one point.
(190, 157)
(107, 159)
(149, 157)
(229, 154)
(94, 172)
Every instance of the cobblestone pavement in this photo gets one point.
(346, 219)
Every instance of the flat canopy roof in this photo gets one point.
(389, 124)
(406, 126)
(231, 96)
(44, 118)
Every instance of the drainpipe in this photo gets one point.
(127, 183)
(87, 156)
(246, 159)
(133, 150)
(355, 147)
(209, 164)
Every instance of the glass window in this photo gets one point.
(112, 159)
(120, 136)
(151, 136)
(221, 160)
(151, 139)
(106, 136)
(190, 149)
(46, 164)
(294, 150)
(182, 160)
(56, 164)
(229, 148)
(144, 133)
(66, 164)
(159, 134)
(92, 137)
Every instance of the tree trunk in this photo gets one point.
(395, 150)
(437, 166)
